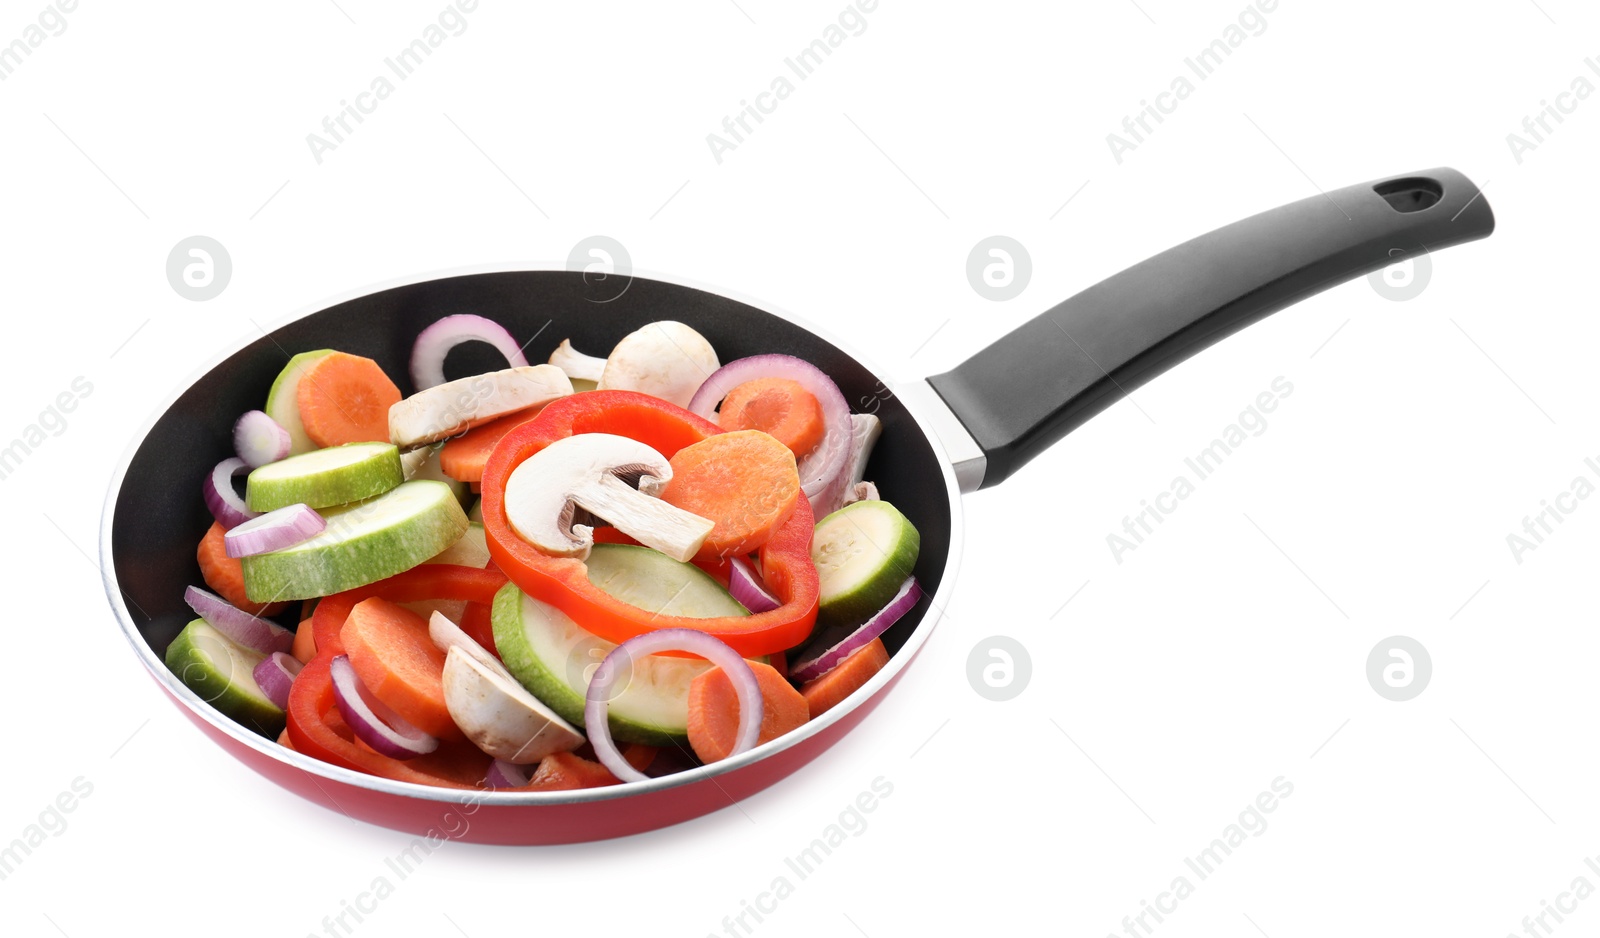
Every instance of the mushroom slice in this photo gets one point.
(598, 472)
(578, 366)
(445, 410)
(497, 713)
(666, 359)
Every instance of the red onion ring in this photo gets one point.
(902, 603)
(258, 439)
(504, 774)
(275, 530)
(372, 722)
(747, 588)
(222, 499)
(235, 624)
(275, 675)
(620, 660)
(825, 471)
(436, 341)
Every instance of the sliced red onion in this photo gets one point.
(825, 471)
(620, 661)
(275, 675)
(862, 492)
(372, 722)
(224, 501)
(258, 439)
(275, 530)
(747, 588)
(901, 604)
(436, 341)
(252, 632)
(503, 774)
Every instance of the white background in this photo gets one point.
(1225, 652)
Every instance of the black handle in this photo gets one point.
(1053, 373)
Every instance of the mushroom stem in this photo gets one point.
(650, 521)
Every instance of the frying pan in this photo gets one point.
(969, 428)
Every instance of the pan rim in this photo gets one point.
(316, 768)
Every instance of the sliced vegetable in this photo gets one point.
(824, 470)
(323, 478)
(253, 632)
(422, 462)
(498, 714)
(828, 691)
(345, 399)
(504, 774)
(304, 647)
(664, 359)
(743, 481)
(436, 341)
(218, 670)
(275, 530)
(718, 712)
(862, 492)
(388, 733)
(863, 553)
(554, 657)
(812, 666)
(471, 550)
(742, 685)
(283, 400)
(275, 676)
(363, 543)
(225, 575)
(258, 439)
(648, 579)
(221, 499)
(598, 472)
(391, 652)
(463, 457)
(864, 430)
(779, 406)
(457, 406)
(578, 366)
(746, 587)
(563, 581)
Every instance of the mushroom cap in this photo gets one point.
(665, 359)
(539, 501)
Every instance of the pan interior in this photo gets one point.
(159, 516)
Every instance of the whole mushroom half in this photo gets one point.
(606, 476)
(665, 359)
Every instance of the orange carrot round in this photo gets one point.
(305, 644)
(346, 399)
(824, 693)
(744, 482)
(779, 406)
(391, 652)
(225, 575)
(464, 457)
(714, 710)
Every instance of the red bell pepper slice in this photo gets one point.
(563, 582)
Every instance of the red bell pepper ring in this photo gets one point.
(314, 725)
(563, 582)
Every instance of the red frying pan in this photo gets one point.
(969, 428)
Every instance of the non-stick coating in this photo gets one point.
(160, 516)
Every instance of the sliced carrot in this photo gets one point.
(744, 482)
(305, 642)
(463, 457)
(225, 575)
(346, 399)
(824, 693)
(391, 652)
(283, 739)
(779, 406)
(714, 710)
